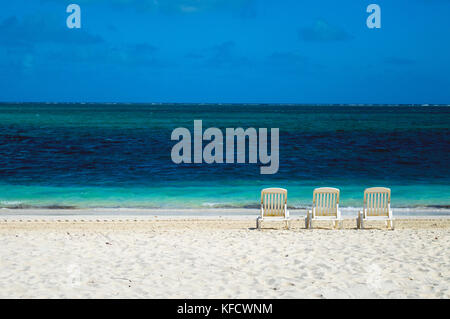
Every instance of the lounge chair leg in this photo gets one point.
(307, 220)
(390, 224)
(258, 223)
(359, 221)
(287, 224)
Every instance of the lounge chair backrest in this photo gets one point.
(377, 201)
(325, 201)
(273, 201)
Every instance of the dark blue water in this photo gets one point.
(119, 155)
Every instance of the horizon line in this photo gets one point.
(230, 103)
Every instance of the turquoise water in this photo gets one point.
(94, 155)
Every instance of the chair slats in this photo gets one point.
(325, 201)
(376, 201)
(274, 201)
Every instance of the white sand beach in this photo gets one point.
(152, 257)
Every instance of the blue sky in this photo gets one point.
(229, 51)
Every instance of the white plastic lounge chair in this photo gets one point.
(325, 207)
(377, 206)
(273, 206)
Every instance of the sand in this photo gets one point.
(143, 257)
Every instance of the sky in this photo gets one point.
(225, 51)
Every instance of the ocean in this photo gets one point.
(119, 155)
